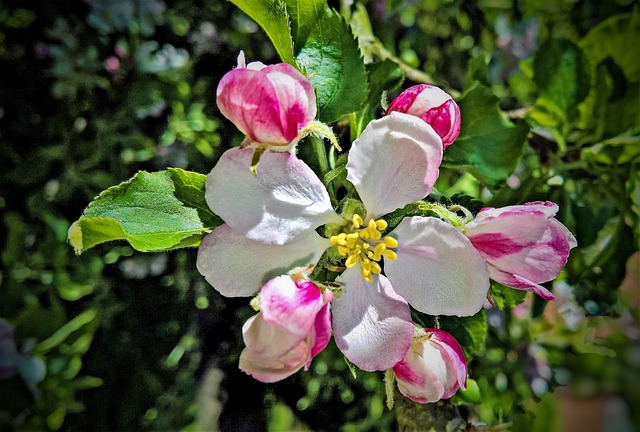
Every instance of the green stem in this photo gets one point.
(321, 155)
(323, 161)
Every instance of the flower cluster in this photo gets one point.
(271, 231)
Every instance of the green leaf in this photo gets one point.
(304, 15)
(332, 61)
(273, 17)
(506, 297)
(152, 211)
(489, 145)
(615, 151)
(383, 77)
(561, 72)
(471, 394)
(470, 332)
(616, 37)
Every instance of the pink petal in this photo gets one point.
(286, 200)
(519, 282)
(267, 340)
(272, 370)
(438, 271)
(395, 161)
(269, 104)
(523, 244)
(321, 329)
(291, 304)
(237, 266)
(454, 355)
(422, 375)
(371, 324)
(434, 106)
(544, 208)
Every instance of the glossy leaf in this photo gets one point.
(332, 61)
(383, 77)
(152, 211)
(273, 17)
(489, 145)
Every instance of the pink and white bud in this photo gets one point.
(434, 106)
(523, 245)
(293, 326)
(270, 104)
(433, 369)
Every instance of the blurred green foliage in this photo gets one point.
(92, 92)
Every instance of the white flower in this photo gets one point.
(270, 228)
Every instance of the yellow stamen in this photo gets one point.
(390, 255)
(365, 245)
(357, 221)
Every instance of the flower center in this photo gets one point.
(365, 246)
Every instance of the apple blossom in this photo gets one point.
(432, 105)
(524, 245)
(292, 327)
(271, 218)
(270, 104)
(433, 369)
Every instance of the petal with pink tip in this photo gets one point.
(269, 104)
(518, 282)
(321, 329)
(422, 375)
(546, 209)
(284, 201)
(291, 304)
(273, 370)
(395, 161)
(438, 271)
(454, 355)
(266, 340)
(371, 323)
(524, 244)
(238, 267)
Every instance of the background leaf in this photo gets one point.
(333, 63)
(489, 145)
(616, 37)
(383, 77)
(562, 75)
(304, 15)
(152, 211)
(470, 332)
(273, 17)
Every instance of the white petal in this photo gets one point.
(371, 324)
(267, 340)
(284, 201)
(438, 271)
(237, 266)
(395, 162)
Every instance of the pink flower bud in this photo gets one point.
(523, 245)
(433, 369)
(293, 326)
(269, 104)
(112, 64)
(432, 105)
